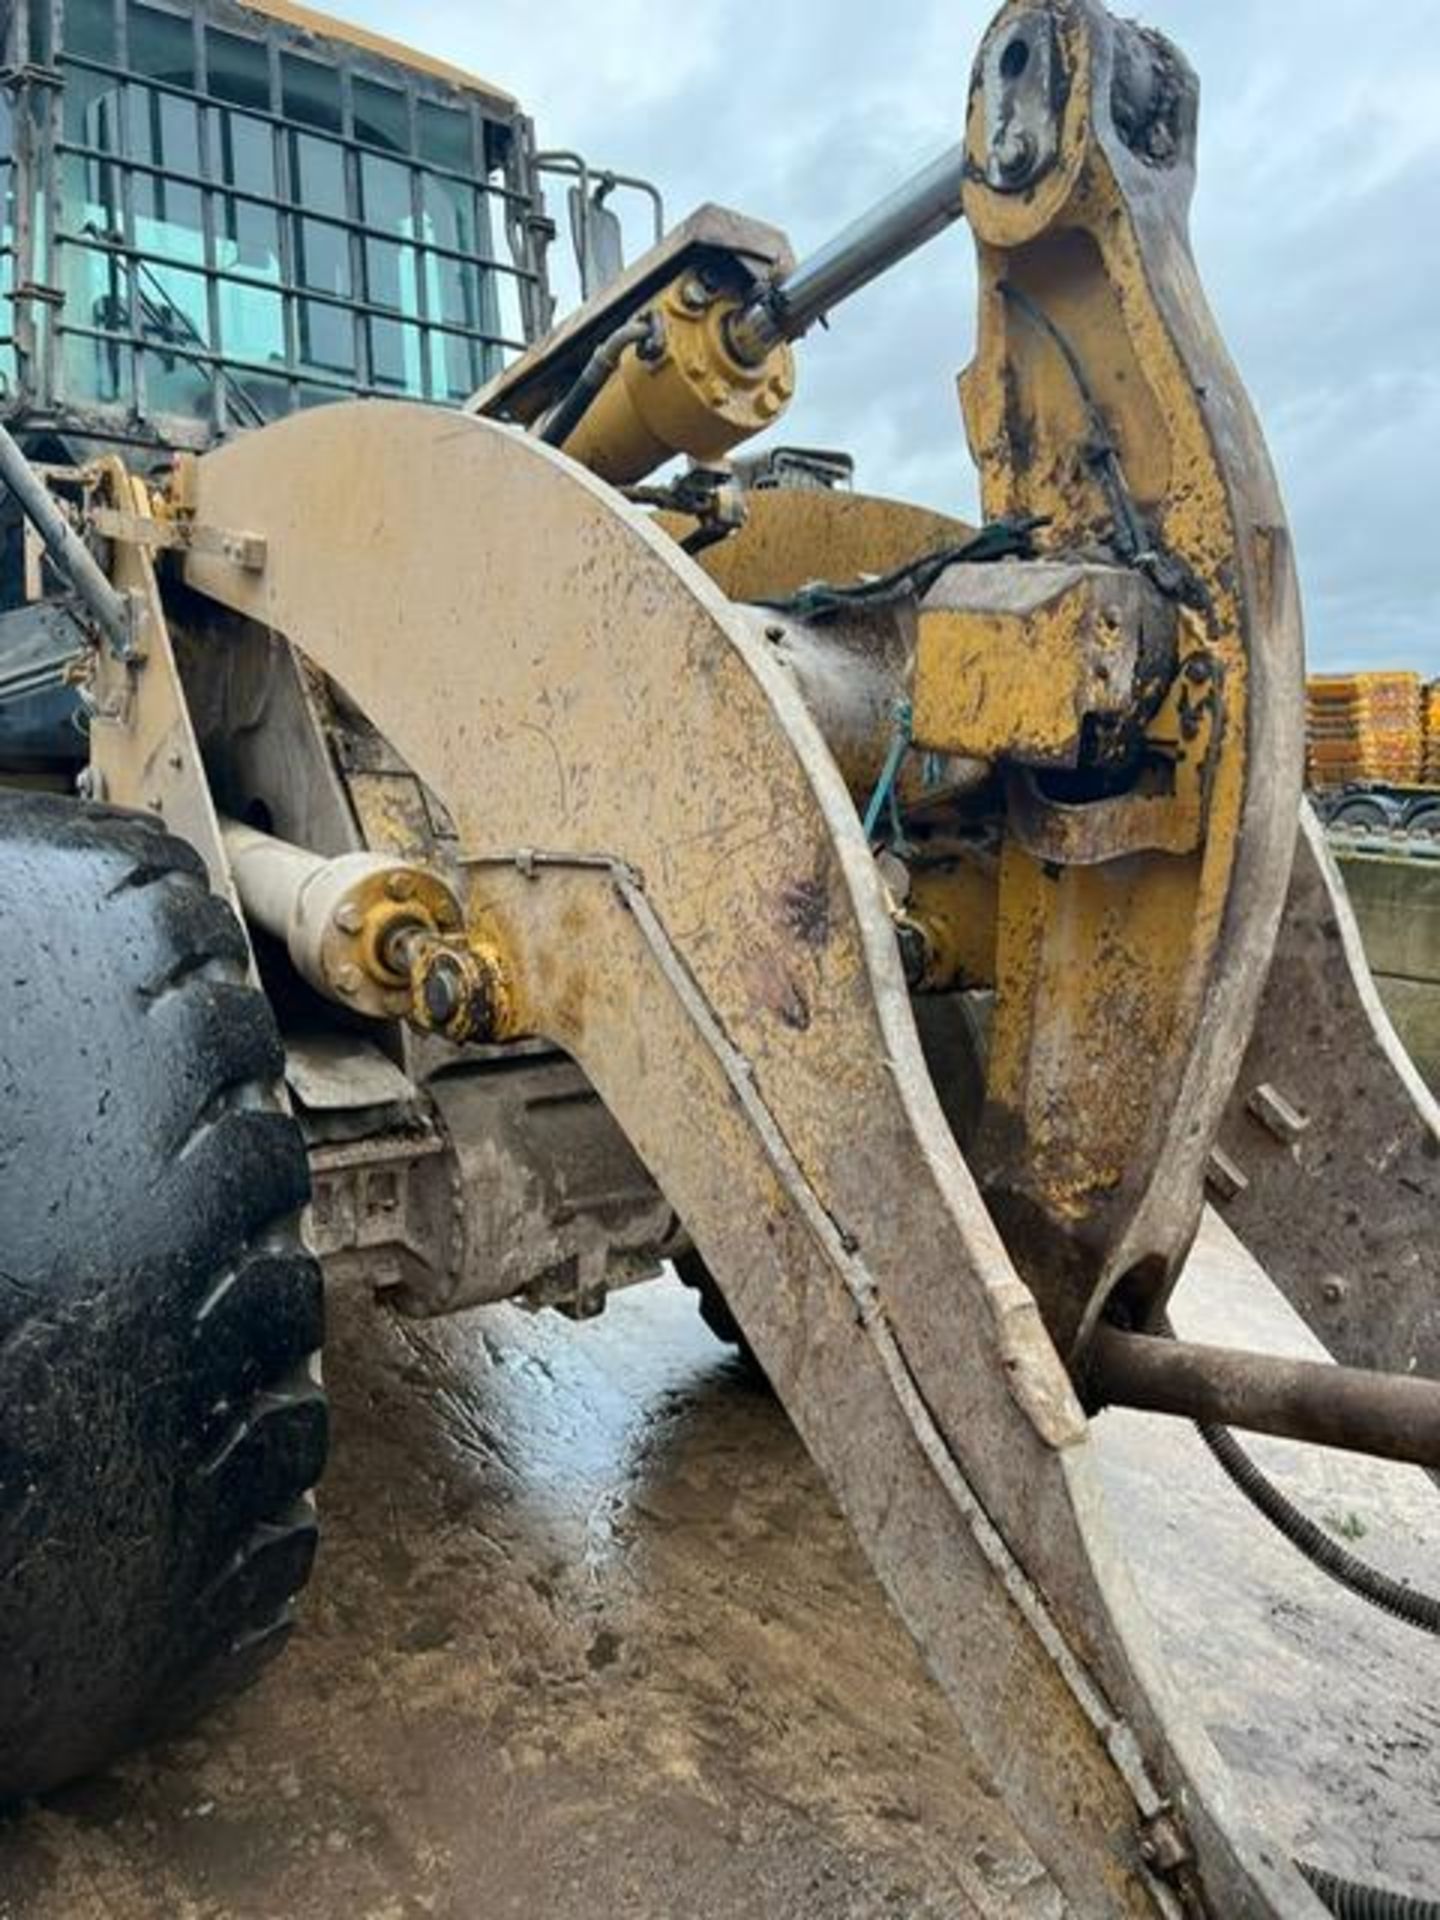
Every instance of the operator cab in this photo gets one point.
(215, 214)
(239, 211)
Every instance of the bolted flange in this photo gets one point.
(458, 988)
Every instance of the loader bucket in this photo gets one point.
(1325, 1162)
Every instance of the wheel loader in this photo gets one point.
(455, 832)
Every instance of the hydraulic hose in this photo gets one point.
(573, 406)
(1350, 1900)
(1345, 1899)
(1410, 1604)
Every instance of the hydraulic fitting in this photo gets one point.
(382, 936)
(684, 391)
(458, 989)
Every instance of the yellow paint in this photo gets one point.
(792, 536)
(327, 27)
(1018, 681)
(955, 907)
(1122, 982)
(694, 397)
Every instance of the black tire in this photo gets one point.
(160, 1423)
(1364, 813)
(714, 1309)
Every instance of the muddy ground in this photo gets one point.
(588, 1640)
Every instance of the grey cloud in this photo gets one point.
(1315, 231)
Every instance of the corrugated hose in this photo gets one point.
(1345, 1899)
(1349, 1900)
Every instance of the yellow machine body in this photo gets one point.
(721, 828)
(690, 396)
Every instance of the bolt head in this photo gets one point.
(348, 917)
(1015, 157)
(347, 979)
(400, 886)
(443, 990)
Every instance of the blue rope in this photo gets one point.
(884, 797)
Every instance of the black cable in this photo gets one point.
(1104, 455)
(1351, 1900)
(556, 427)
(999, 540)
(1345, 1899)
(1134, 541)
(1410, 1604)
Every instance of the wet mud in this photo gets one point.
(588, 1639)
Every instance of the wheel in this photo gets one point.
(1362, 812)
(1424, 817)
(160, 1423)
(714, 1310)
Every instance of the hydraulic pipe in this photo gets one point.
(339, 917)
(271, 877)
(855, 672)
(1393, 1416)
(925, 205)
(73, 559)
(556, 427)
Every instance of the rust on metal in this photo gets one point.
(792, 536)
(1101, 398)
(615, 715)
(1040, 662)
(1341, 1211)
(1393, 1416)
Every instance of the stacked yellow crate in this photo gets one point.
(1366, 726)
(1431, 771)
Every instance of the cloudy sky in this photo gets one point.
(1317, 229)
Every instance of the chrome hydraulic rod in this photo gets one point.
(895, 227)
